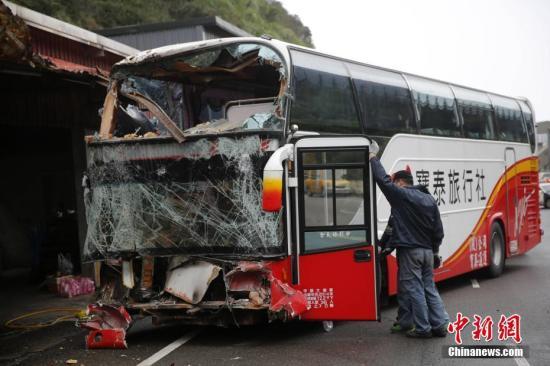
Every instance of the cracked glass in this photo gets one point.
(201, 196)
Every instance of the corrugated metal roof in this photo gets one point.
(69, 55)
(39, 40)
(55, 26)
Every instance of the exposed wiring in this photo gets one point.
(75, 314)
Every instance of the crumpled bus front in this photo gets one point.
(173, 198)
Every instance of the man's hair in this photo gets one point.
(405, 175)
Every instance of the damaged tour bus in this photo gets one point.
(229, 184)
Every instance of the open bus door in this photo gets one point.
(336, 255)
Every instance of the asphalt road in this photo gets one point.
(524, 288)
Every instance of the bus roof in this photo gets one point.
(155, 54)
(171, 50)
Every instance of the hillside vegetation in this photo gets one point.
(254, 16)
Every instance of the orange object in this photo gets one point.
(272, 195)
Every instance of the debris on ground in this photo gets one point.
(71, 286)
(107, 325)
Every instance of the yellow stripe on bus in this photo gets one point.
(523, 166)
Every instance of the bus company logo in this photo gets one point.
(454, 187)
(507, 327)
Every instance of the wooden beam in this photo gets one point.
(108, 118)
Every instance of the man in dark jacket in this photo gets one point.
(387, 247)
(417, 233)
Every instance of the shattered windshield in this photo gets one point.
(234, 88)
(202, 196)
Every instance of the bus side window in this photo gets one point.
(477, 113)
(509, 120)
(528, 118)
(436, 103)
(323, 97)
(385, 101)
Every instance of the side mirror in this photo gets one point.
(272, 186)
(272, 194)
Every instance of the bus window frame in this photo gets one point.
(460, 120)
(292, 89)
(490, 108)
(356, 101)
(497, 124)
(417, 107)
(414, 104)
(532, 144)
(360, 106)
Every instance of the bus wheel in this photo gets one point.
(497, 253)
(328, 325)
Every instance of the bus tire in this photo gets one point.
(497, 252)
(328, 325)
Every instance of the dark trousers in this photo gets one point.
(419, 301)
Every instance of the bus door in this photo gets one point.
(512, 218)
(336, 251)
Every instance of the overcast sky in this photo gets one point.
(501, 46)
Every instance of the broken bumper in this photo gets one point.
(195, 291)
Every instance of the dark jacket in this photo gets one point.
(415, 217)
(385, 240)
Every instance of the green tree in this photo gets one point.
(254, 16)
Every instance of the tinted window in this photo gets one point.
(333, 198)
(323, 97)
(385, 101)
(348, 186)
(509, 122)
(528, 117)
(477, 113)
(318, 202)
(436, 104)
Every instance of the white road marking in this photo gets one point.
(168, 349)
(520, 361)
(475, 284)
